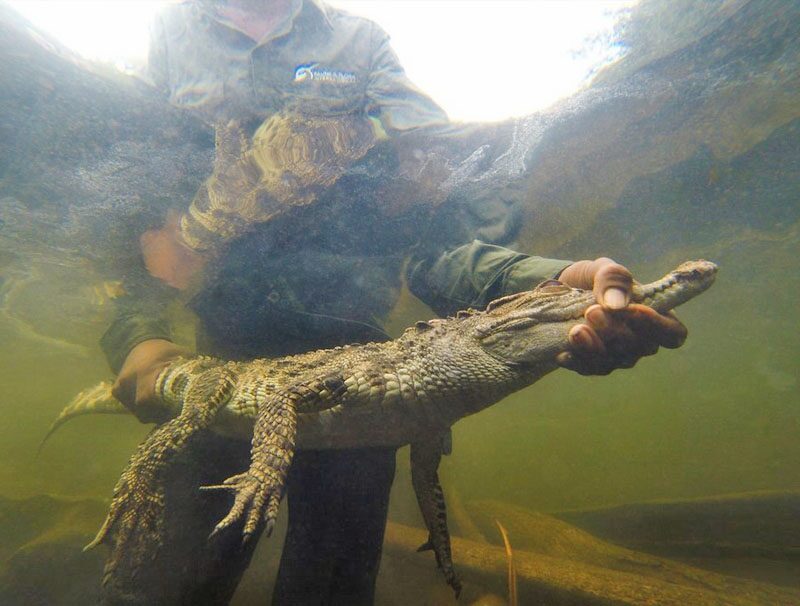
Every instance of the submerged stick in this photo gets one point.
(512, 571)
(551, 580)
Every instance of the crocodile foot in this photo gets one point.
(134, 526)
(258, 497)
(259, 490)
(444, 560)
(425, 457)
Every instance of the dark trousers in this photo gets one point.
(337, 501)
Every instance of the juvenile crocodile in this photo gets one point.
(406, 391)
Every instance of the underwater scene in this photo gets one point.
(275, 191)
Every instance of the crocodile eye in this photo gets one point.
(552, 287)
(548, 283)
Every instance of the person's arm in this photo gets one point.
(134, 322)
(474, 274)
(616, 334)
(135, 385)
(449, 277)
(138, 345)
(138, 342)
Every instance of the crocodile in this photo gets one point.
(410, 390)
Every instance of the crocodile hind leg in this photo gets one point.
(134, 527)
(425, 458)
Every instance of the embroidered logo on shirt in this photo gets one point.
(312, 71)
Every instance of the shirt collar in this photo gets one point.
(315, 7)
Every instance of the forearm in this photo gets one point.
(476, 273)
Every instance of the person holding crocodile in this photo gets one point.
(272, 259)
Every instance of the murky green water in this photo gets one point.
(698, 157)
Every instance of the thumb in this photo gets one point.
(612, 284)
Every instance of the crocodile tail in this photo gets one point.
(91, 401)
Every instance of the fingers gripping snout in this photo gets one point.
(612, 339)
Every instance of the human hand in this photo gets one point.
(616, 333)
(135, 385)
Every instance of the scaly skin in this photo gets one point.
(406, 391)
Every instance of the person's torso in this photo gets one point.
(318, 276)
(320, 66)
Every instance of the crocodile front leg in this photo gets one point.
(134, 527)
(260, 489)
(425, 458)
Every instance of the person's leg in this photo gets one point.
(190, 568)
(338, 502)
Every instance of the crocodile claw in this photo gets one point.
(455, 583)
(257, 499)
(445, 563)
(259, 490)
(134, 526)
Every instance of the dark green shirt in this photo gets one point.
(326, 275)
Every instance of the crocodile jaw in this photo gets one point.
(683, 283)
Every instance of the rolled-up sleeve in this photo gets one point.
(139, 315)
(129, 328)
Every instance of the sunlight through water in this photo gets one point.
(480, 60)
